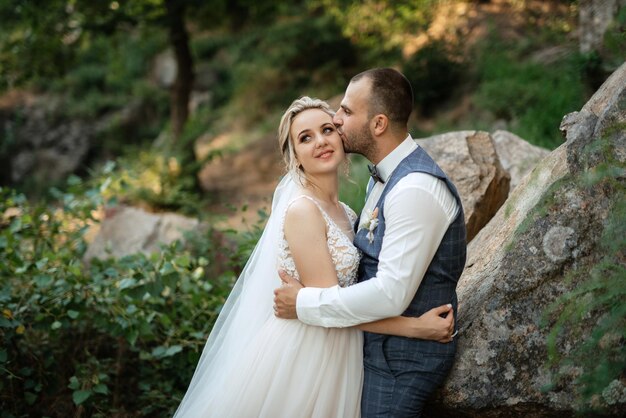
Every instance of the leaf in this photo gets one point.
(126, 283)
(173, 350)
(16, 225)
(74, 180)
(105, 185)
(73, 314)
(80, 396)
(3, 356)
(22, 269)
(74, 383)
(101, 388)
(30, 397)
(165, 320)
(182, 261)
(158, 351)
(40, 264)
(56, 325)
(198, 273)
(111, 272)
(43, 280)
(132, 337)
(167, 268)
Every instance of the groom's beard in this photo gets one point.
(360, 142)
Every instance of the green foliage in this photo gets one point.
(380, 25)
(35, 41)
(516, 90)
(274, 64)
(352, 187)
(434, 74)
(151, 177)
(117, 337)
(108, 74)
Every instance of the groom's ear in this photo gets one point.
(380, 123)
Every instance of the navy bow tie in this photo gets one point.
(374, 173)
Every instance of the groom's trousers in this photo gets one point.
(398, 379)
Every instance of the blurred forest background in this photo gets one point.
(173, 105)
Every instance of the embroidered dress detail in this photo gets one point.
(343, 252)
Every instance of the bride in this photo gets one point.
(257, 365)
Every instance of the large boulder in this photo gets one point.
(44, 146)
(517, 156)
(470, 159)
(129, 230)
(554, 232)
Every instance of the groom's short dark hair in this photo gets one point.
(391, 94)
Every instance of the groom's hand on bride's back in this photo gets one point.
(285, 297)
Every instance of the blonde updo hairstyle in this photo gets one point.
(285, 141)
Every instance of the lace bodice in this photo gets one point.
(344, 254)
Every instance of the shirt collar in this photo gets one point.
(386, 166)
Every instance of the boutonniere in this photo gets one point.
(370, 224)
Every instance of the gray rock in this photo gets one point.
(594, 17)
(48, 149)
(517, 156)
(604, 115)
(549, 228)
(469, 158)
(128, 230)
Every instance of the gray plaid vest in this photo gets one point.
(438, 287)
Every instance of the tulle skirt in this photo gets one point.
(294, 370)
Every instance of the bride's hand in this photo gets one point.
(431, 326)
(285, 297)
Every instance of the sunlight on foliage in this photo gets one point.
(380, 24)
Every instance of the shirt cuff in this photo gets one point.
(317, 306)
(307, 305)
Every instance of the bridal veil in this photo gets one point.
(247, 308)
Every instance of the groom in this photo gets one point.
(412, 237)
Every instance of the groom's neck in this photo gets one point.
(387, 143)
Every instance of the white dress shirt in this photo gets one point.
(418, 211)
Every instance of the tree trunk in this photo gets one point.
(181, 90)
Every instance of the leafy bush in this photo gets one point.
(115, 338)
(275, 64)
(380, 25)
(531, 96)
(434, 75)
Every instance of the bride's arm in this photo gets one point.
(305, 231)
(429, 326)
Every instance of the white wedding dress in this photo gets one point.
(290, 369)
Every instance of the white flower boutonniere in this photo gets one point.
(370, 224)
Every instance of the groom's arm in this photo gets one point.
(415, 224)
